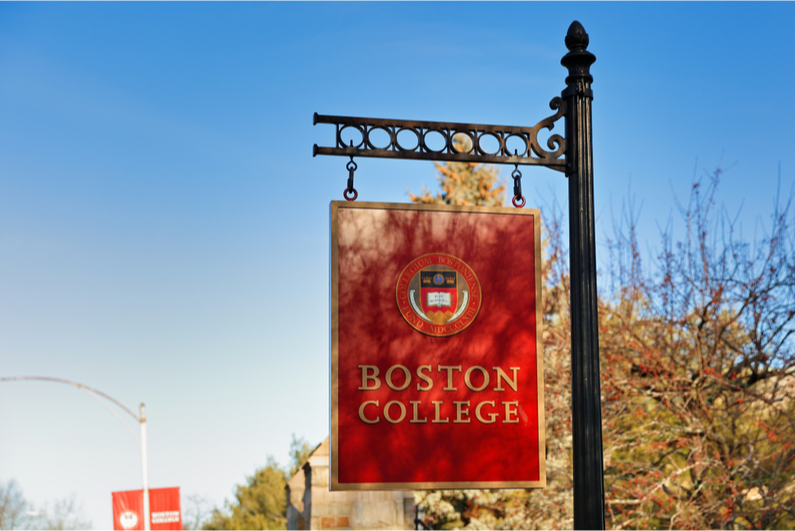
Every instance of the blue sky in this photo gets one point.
(164, 227)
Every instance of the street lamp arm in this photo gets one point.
(81, 386)
(115, 414)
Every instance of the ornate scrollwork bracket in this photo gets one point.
(405, 139)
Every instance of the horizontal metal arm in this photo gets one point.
(456, 142)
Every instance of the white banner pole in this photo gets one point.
(145, 466)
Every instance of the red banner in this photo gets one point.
(164, 509)
(437, 378)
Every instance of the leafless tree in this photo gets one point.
(13, 507)
(17, 513)
(63, 514)
(195, 511)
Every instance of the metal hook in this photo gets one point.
(352, 166)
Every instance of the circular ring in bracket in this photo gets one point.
(357, 129)
(417, 139)
(464, 133)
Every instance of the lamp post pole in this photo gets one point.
(585, 386)
(575, 105)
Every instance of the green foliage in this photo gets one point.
(261, 502)
(299, 453)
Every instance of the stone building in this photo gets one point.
(310, 504)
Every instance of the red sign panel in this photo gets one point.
(164, 510)
(436, 357)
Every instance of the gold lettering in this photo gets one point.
(402, 411)
(389, 378)
(460, 412)
(415, 410)
(449, 369)
(367, 377)
(468, 381)
(492, 416)
(437, 407)
(502, 376)
(509, 412)
(424, 377)
(361, 412)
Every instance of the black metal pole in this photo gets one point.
(589, 499)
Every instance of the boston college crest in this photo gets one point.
(438, 294)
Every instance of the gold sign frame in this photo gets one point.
(334, 484)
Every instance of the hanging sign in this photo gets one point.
(164, 509)
(436, 352)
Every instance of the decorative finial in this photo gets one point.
(576, 38)
(578, 61)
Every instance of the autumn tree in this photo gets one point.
(518, 508)
(698, 380)
(698, 357)
(465, 183)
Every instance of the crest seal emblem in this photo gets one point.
(128, 519)
(438, 294)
